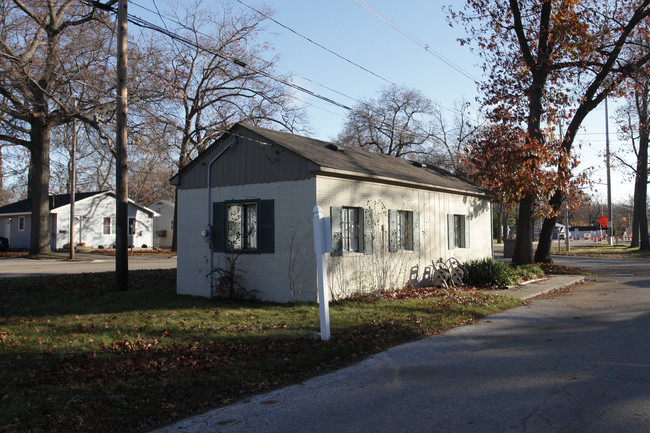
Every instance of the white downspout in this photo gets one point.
(209, 225)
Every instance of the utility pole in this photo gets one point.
(610, 224)
(73, 182)
(121, 181)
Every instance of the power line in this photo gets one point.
(174, 36)
(267, 16)
(415, 40)
(337, 55)
(318, 44)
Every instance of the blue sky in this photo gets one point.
(350, 30)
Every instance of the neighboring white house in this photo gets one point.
(163, 225)
(390, 218)
(94, 221)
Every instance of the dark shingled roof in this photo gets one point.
(56, 200)
(330, 156)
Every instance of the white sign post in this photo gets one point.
(321, 231)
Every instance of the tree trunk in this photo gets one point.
(543, 253)
(635, 224)
(40, 184)
(523, 254)
(500, 224)
(504, 222)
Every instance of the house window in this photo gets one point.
(243, 226)
(107, 225)
(171, 225)
(131, 226)
(21, 224)
(403, 226)
(405, 230)
(352, 230)
(458, 231)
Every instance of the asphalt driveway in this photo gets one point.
(569, 362)
(23, 267)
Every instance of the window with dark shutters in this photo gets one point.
(403, 230)
(352, 230)
(245, 226)
(457, 231)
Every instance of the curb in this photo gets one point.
(538, 287)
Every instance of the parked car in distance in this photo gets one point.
(4, 243)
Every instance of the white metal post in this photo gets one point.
(321, 268)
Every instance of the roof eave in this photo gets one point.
(326, 171)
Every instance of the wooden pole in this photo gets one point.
(73, 184)
(121, 181)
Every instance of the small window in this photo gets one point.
(21, 224)
(403, 226)
(242, 226)
(107, 225)
(131, 226)
(458, 231)
(350, 229)
(171, 225)
(405, 230)
(245, 226)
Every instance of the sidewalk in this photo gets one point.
(539, 287)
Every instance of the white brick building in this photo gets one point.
(390, 217)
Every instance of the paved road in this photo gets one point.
(573, 362)
(22, 267)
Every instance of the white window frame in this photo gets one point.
(405, 230)
(458, 231)
(109, 226)
(21, 223)
(351, 229)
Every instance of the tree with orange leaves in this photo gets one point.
(549, 63)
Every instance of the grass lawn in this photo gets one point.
(76, 356)
(602, 250)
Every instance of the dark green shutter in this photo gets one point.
(392, 230)
(416, 231)
(218, 229)
(337, 240)
(451, 239)
(466, 239)
(367, 231)
(266, 233)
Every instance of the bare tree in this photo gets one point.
(397, 123)
(634, 123)
(452, 138)
(53, 68)
(219, 79)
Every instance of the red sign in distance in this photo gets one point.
(603, 221)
